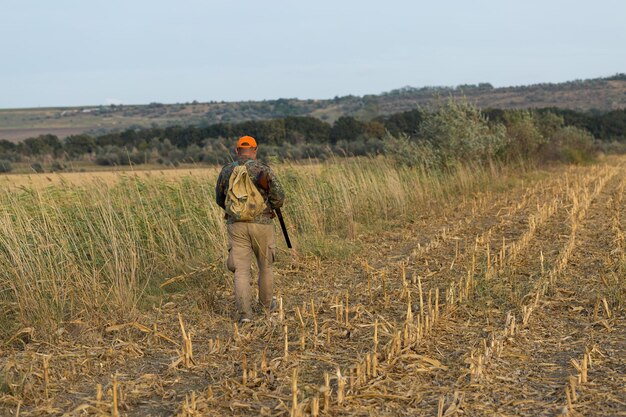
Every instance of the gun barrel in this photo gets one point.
(279, 214)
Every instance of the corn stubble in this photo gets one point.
(376, 342)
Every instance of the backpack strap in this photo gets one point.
(262, 181)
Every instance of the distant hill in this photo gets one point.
(596, 95)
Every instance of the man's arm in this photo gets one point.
(276, 194)
(220, 189)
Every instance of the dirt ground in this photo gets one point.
(501, 304)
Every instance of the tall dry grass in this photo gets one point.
(92, 251)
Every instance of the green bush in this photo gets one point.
(409, 152)
(548, 123)
(572, 145)
(614, 147)
(525, 138)
(57, 166)
(458, 131)
(5, 165)
(108, 159)
(37, 168)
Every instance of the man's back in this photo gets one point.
(263, 178)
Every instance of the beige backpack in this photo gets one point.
(243, 200)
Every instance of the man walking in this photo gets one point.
(249, 192)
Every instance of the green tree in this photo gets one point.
(346, 128)
(41, 145)
(79, 145)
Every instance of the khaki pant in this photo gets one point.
(244, 240)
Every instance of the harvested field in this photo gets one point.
(507, 301)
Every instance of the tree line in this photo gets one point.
(298, 137)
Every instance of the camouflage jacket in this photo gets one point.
(264, 179)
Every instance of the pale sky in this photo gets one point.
(73, 52)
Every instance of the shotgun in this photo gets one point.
(263, 182)
(279, 214)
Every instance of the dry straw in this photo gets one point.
(398, 331)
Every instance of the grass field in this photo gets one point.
(483, 291)
(44, 180)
